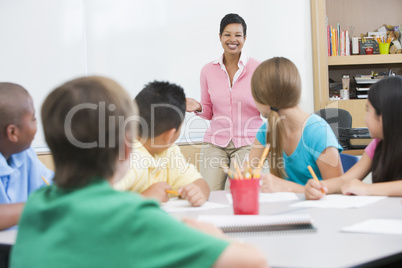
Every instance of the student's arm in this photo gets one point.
(255, 153)
(241, 255)
(236, 254)
(206, 102)
(332, 186)
(10, 214)
(329, 163)
(272, 184)
(196, 193)
(357, 187)
(157, 191)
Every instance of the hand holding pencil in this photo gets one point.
(314, 189)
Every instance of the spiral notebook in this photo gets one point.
(243, 225)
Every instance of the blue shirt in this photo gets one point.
(316, 137)
(21, 176)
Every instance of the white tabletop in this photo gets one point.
(328, 247)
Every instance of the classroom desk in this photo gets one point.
(328, 247)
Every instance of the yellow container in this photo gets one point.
(384, 48)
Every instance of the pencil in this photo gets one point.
(315, 177)
(43, 178)
(227, 171)
(256, 173)
(172, 192)
(237, 170)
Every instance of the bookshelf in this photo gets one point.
(357, 16)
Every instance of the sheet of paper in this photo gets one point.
(340, 201)
(271, 197)
(376, 226)
(180, 205)
(8, 237)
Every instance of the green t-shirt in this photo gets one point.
(96, 226)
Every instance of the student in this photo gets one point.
(20, 169)
(158, 164)
(81, 220)
(382, 156)
(296, 138)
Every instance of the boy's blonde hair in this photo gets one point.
(276, 82)
(85, 125)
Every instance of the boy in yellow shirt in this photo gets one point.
(157, 164)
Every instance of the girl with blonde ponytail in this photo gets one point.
(296, 138)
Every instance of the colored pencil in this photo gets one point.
(172, 192)
(238, 172)
(315, 177)
(43, 178)
(256, 173)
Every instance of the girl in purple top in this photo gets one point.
(227, 101)
(382, 156)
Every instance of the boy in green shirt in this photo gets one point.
(80, 221)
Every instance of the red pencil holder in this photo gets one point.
(245, 193)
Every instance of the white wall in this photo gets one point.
(46, 42)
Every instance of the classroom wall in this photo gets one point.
(46, 42)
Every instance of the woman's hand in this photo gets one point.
(192, 105)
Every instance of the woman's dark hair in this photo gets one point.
(386, 98)
(232, 18)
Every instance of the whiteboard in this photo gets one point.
(46, 42)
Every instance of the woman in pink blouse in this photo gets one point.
(226, 100)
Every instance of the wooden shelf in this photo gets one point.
(364, 59)
(353, 151)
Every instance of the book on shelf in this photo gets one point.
(362, 96)
(365, 79)
(338, 41)
(243, 225)
(362, 89)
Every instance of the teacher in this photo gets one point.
(227, 101)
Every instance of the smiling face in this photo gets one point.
(232, 38)
(373, 122)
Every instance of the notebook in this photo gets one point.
(244, 225)
(376, 226)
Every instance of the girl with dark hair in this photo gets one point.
(296, 138)
(226, 100)
(382, 156)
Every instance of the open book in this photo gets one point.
(260, 224)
